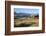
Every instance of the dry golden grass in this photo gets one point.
(26, 21)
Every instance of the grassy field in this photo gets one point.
(26, 22)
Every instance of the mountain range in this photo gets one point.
(21, 15)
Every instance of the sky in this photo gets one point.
(26, 10)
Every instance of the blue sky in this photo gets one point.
(26, 10)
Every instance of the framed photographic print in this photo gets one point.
(24, 17)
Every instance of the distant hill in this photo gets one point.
(21, 15)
